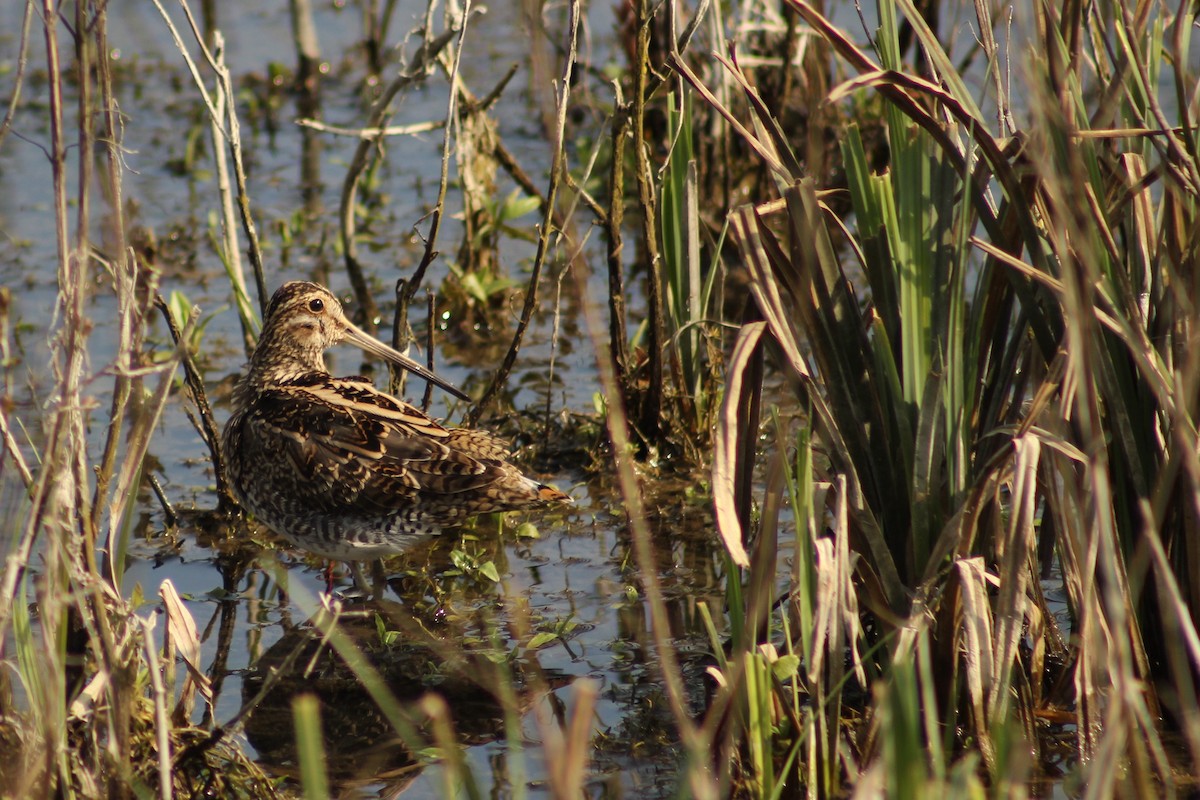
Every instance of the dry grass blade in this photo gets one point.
(772, 274)
(19, 79)
(769, 133)
(568, 751)
(848, 617)
(182, 629)
(725, 468)
(141, 431)
(1014, 554)
(764, 150)
(976, 648)
(162, 724)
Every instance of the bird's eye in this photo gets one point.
(316, 305)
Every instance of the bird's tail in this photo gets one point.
(549, 494)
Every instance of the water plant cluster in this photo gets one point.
(905, 296)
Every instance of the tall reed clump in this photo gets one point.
(100, 709)
(994, 342)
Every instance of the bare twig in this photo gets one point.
(679, 44)
(557, 167)
(430, 312)
(170, 517)
(234, 134)
(618, 336)
(231, 129)
(408, 291)
(506, 160)
(223, 116)
(649, 420)
(225, 502)
(372, 133)
(19, 80)
(489, 99)
(418, 67)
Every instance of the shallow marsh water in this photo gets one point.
(578, 572)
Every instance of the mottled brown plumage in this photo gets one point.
(340, 468)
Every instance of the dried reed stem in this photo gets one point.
(123, 269)
(19, 79)
(618, 336)
(406, 289)
(417, 69)
(649, 422)
(557, 167)
(223, 115)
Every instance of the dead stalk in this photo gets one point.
(129, 338)
(162, 724)
(123, 270)
(372, 133)
(19, 78)
(232, 250)
(407, 289)
(304, 35)
(195, 381)
(618, 336)
(225, 126)
(650, 416)
(418, 67)
(557, 167)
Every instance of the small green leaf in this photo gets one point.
(473, 288)
(541, 639)
(786, 666)
(181, 308)
(489, 571)
(516, 206)
(527, 530)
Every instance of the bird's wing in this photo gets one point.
(359, 449)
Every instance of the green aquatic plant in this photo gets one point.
(988, 392)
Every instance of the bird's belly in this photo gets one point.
(346, 536)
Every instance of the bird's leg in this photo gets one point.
(328, 577)
(378, 579)
(359, 580)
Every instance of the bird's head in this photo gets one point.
(305, 319)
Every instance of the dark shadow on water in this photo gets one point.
(361, 743)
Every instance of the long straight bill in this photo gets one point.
(377, 348)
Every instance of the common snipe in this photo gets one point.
(341, 469)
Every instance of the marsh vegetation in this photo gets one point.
(864, 337)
